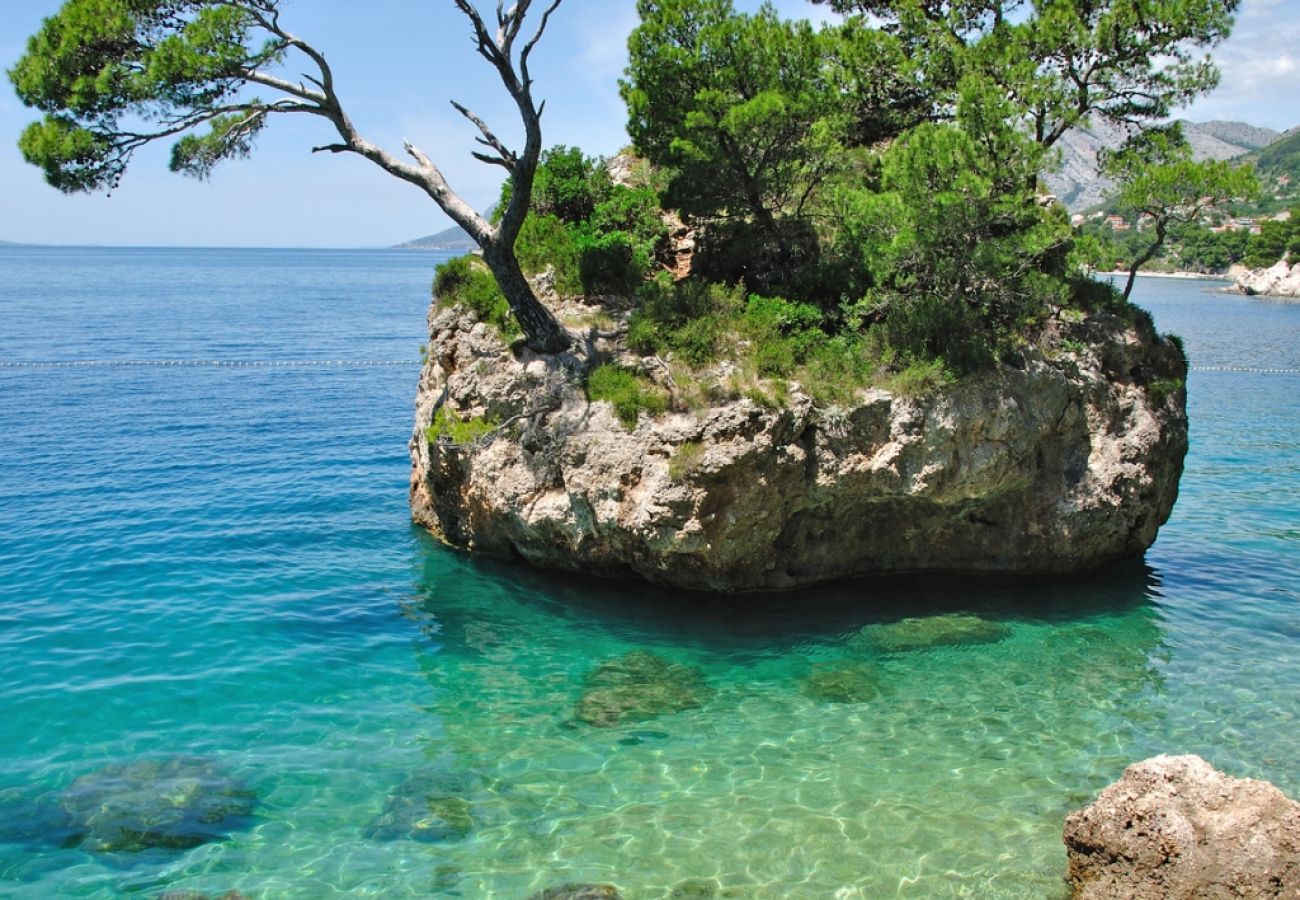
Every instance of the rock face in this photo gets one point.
(1065, 460)
(1279, 280)
(1172, 827)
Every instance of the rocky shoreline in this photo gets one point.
(1173, 826)
(1281, 280)
(1061, 461)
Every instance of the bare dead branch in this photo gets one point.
(488, 139)
(506, 164)
(528, 48)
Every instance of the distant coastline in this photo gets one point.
(1189, 276)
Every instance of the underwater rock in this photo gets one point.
(695, 889)
(951, 630)
(29, 819)
(173, 803)
(1174, 827)
(576, 891)
(638, 686)
(425, 807)
(842, 681)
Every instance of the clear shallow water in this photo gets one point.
(217, 561)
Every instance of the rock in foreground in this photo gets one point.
(1173, 827)
(1061, 459)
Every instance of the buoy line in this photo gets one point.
(209, 363)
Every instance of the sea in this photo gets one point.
(207, 569)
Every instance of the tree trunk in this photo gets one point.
(1145, 257)
(542, 331)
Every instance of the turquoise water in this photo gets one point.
(216, 561)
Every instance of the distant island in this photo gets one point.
(454, 238)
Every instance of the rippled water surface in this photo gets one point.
(216, 562)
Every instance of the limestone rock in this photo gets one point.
(577, 891)
(1279, 280)
(1062, 460)
(638, 686)
(843, 681)
(1174, 828)
(173, 803)
(428, 806)
(928, 632)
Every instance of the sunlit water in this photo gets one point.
(217, 561)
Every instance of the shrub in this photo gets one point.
(608, 263)
(840, 367)
(446, 424)
(569, 185)
(1162, 389)
(466, 281)
(628, 392)
(686, 318)
(926, 327)
(546, 241)
(920, 376)
(685, 460)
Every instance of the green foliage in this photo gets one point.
(1162, 389)
(841, 366)
(1275, 239)
(685, 460)
(451, 427)
(628, 392)
(919, 377)
(569, 185)
(736, 106)
(1061, 62)
(466, 281)
(546, 241)
(685, 318)
(1159, 180)
(172, 65)
(598, 236)
(228, 137)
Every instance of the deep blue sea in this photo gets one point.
(214, 562)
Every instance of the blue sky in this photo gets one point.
(397, 64)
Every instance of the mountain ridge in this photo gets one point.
(1077, 184)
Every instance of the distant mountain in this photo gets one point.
(1077, 184)
(1236, 133)
(453, 238)
(1278, 163)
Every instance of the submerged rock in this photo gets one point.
(427, 806)
(922, 633)
(1174, 827)
(843, 681)
(638, 686)
(576, 891)
(174, 803)
(695, 889)
(28, 819)
(1060, 460)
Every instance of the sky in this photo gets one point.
(397, 64)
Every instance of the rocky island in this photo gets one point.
(1061, 459)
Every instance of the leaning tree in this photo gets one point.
(112, 76)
